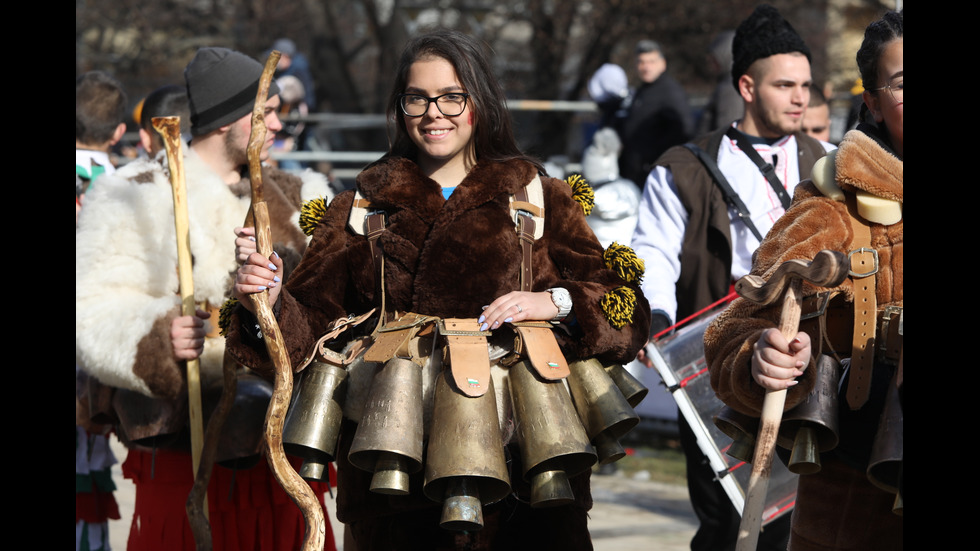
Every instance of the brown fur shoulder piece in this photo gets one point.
(864, 165)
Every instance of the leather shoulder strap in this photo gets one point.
(767, 170)
(864, 266)
(527, 208)
(731, 197)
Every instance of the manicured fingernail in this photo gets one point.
(272, 284)
(261, 287)
(483, 327)
(252, 239)
(275, 254)
(482, 318)
(485, 307)
(277, 279)
(495, 324)
(272, 266)
(508, 320)
(792, 383)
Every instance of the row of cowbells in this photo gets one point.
(812, 428)
(559, 434)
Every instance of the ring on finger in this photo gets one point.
(519, 309)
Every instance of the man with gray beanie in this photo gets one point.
(129, 331)
(696, 242)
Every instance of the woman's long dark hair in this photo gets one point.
(494, 135)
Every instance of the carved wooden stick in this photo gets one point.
(288, 478)
(169, 129)
(828, 269)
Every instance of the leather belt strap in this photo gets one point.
(525, 233)
(536, 342)
(394, 338)
(864, 266)
(467, 355)
(324, 354)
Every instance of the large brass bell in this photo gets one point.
(554, 445)
(465, 466)
(312, 426)
(810, 428)
(633, 390)
(741, 429)
(388, 441)
(601, 406)
(887, 452)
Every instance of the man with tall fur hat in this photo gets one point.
(694, 245)
(129, 332)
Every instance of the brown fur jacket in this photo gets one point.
(449, 259)
(813, 223)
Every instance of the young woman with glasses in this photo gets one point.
(855, 207)
(450, 248)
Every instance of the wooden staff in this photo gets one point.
(169, 129)
(828, 269)
(288, 478)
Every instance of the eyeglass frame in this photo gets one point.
(430, 101)
(885, 87)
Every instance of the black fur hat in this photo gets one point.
(763, 34)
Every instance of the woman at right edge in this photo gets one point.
(837, 508)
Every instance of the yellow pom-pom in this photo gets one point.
(618, 306)
(582, 192)
(623, 260)
(224, 315)
(311, 213)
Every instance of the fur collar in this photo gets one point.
(863, 164)
(396, 183)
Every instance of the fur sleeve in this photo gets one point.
(126, 283)
(812, 223)
(328, 283)
(575, 258)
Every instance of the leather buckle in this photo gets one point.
(862, 250)
(821, 309)
(885, 335)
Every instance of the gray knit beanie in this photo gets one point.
(765, 33)
(221, 87)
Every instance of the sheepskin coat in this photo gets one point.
(836, 508)
(449, 259)
(126, 286)
(813, 223)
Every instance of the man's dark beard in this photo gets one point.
(232, 150)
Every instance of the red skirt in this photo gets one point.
(248, 509)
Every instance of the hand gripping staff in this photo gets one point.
(288, 478)
(828, 269)
(169, 129)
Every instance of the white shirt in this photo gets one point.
(663, 219)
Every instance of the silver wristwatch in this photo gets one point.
(563, 300)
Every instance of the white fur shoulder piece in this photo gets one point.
(823, 175)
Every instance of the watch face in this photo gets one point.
(561, 298)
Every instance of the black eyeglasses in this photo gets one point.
(450, 105)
